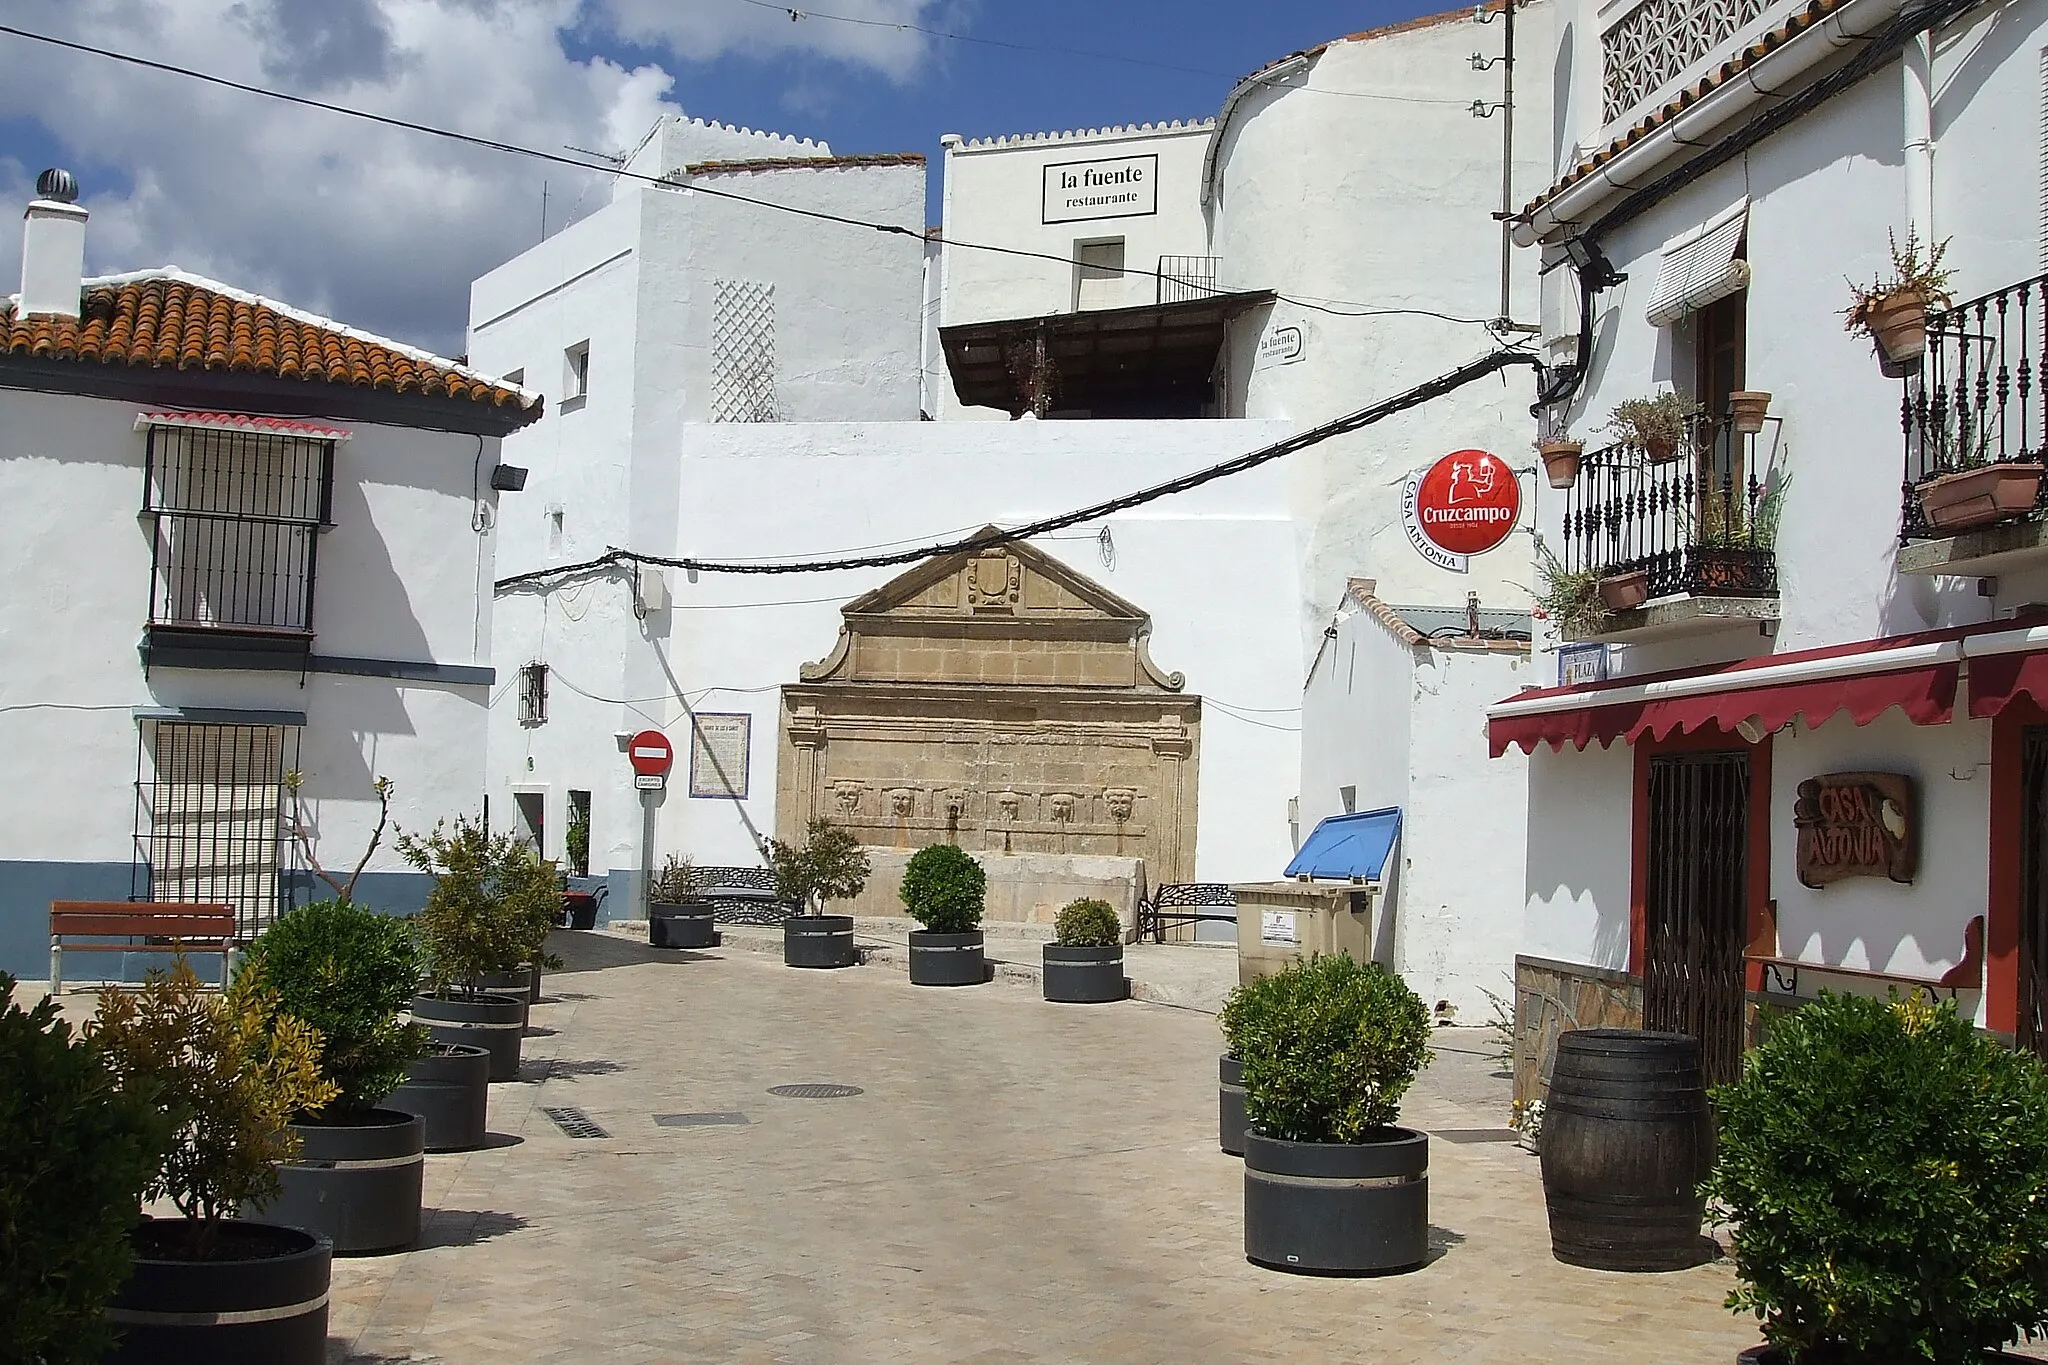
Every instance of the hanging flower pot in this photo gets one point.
(1625, 591)
(1892, 310)
(1970, 498)
(1898, 323)
(1748, 411)
(1561, 461)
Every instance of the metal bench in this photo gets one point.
(741, 895)
(1180, 905)
(163, 926)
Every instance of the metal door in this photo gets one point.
(1696, 908)
(2031, 1030)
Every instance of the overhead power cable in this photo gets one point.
(556, 158)
(1457, 379)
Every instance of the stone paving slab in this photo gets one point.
(1018, 1182)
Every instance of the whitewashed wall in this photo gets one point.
(1578, 855)
(1357, 717)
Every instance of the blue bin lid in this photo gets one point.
(1343, 847)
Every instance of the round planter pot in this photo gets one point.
(1337, 1208)
(265, 1305)
(518, 986)
(946, 959)
(581, 908)
(818, 941)
(688, 925)
(355, 1183)
(1230, 1124)
(450, 1091)
(1084, 976)
(1561, 462)
(491, 1022)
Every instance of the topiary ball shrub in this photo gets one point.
(75, 1156)
(347, 972)
(944, 889)
(1329, 1046)
(1885, 1172)
(1088, 923)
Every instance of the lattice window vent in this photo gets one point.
(742, 351)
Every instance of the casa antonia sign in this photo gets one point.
(1857, 825)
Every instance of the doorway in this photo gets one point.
(1695, 906)
(2030, 1028)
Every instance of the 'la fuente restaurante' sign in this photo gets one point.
(1463, 505)
(1123, 187)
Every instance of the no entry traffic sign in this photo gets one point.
(651, 754)
(1465, 504)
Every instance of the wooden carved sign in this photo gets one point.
(1857, 825)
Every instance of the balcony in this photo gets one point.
(1976, 434)
(1682, 544)
(1187, 277)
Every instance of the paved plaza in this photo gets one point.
(1016, 1182)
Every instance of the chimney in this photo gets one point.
(52, 247)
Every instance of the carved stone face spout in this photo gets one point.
(956, 805)
(846, 795)
(902, 801)
(1121, 802)
(1062, 807)
(1008, 804)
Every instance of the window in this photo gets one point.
(237, 516)
(742, 351)
(533, 820)
(576, 372)
(210, 816)
(1099, 274)
(576, 839)
(533, 695)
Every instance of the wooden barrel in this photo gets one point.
(1627, 1139)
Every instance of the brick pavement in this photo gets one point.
(1019, 1182)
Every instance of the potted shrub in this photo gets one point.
(228, 1072)
(1084, 965)
(944, 889)
(1892, 310)
(1656, 426)
(678, 917)
(1884, 1171)
(1329, 1046)
(75, 1155)
(347, 972)
(1570, 598)
(830, 865)
(1561, 460)
(489, 911)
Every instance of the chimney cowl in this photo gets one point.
(52, 248)
(58, 186)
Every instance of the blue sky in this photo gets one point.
(385, 229)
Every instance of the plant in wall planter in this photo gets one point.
(1570, 598)
(1625, 591)
(75, 1155)
(228, 1072)
(1329, 1046)
(1084, 965)
(944, 889)
(829, 865)
(1655, 426)
(346, 973)
(1969, 489)
(1892, 310)
(489, 911)
(1884, 1171)
(678, 916)
(1561, 457)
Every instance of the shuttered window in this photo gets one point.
(1701, 266)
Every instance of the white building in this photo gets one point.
(1806, 624)
(246, 540)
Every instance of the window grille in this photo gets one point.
(237, 517)
(209, 816)
(742, 351)
(533, 695)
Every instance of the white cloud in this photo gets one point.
(380, 227)
(702, 29)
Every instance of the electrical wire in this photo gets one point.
(1489, 364)
(555, 158)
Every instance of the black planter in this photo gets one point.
(946, 959)
(580, 907)
(1084, 976)
(355, 1183)
(450, 1091)
(267, 1307)
(819, 941)
(518, 986)
(1337, 1208)
(688, 925)
(1230, 1122)
(491, 1022)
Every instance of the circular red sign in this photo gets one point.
(1468, 502)
(650, 753)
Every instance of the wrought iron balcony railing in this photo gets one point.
(1187, 277)
(1702, 522)
(1978, 403)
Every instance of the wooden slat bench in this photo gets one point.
(165, 926)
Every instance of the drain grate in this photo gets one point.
(727, 1119)
(815, 1092)
(575, 1123)
(1476, 1134)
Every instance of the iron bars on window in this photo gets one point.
(1187, 277)
(209, 817)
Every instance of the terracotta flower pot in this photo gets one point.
(1977, 497)
(1898, 324)
(1749, 410)
(1561, 462)
(1625, 591)
(1660, 449)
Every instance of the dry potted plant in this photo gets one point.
(1656, 426)
(228, 1071)
(944, 889)
(1569, 598)
(1892, 310)
(678, 914)
(830, 865)
(1085, 964)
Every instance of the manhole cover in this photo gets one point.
(721, 1120)
(575, 1123)
(1476, 1134)
(814, 1092)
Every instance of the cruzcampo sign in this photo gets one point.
(1857, 825)
(1463, 505)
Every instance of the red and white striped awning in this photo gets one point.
(1916, 673)
(242, 421)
